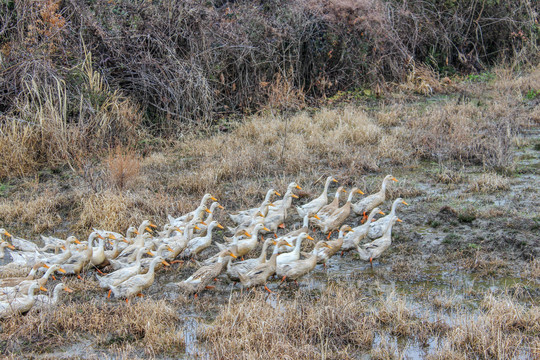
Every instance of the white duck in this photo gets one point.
(245, 246)
(122, 274)
(128, 254)
(353, 238)
(64, 256)
(182, 220)
(316, 204)
(326, 252)
(295, 254)
(44, 301)
(374, 249)
(198, 244)
(15, 280)
(146, 225)
(241, 267)
(3, 232)
(293, 235)
(75, 264)
(204, 275)
(163, 250)
(298, 268)
(287, 198)
(329, 208)
(233, 246)
(370, 202)
(23, 244)
(3, 245)
(245, 220)
(334, 219)
(252, 211)
(98, 252)
(23, 286)
(204, 224)
(376, 228)
(19, 305)
(135, 284)
(112, 254)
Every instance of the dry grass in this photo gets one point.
(532, 270)
(387, 350)
(38, 211)
(338, 322)
(489, 183)
(144, 324)
(117, 211)
(334, 326)
(450, 176)
(502, 331)
(19, 148)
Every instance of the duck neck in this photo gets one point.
(210, 216)
(263, 252)
(265, 207)
(349, 199)
(287, 199)
(305, 224)
(203, 201)
(161, 250)
(139, 257)
(209, 231)
(383, 187)
(273, 259)
(115, 246)
(152, 267)
(56, 293)
(298, 245)
(388, 230)
(101, 245)
(335, 202)
(69, 247)
(220, 259)
(32, 273)
(326, 186)
(31, 292)
(2, 247)
(255, 233)
(235, 240)
(394, 207)
(141, 228)
(48, 273)
(312, 259)
(189, 232)
(89, 251)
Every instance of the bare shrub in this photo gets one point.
(43, 131)
(123, 167)
(187, 61)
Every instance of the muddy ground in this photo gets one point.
(461, 240)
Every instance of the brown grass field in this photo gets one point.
(461, 281)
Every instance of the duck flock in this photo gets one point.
(132, 260)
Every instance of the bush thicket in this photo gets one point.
(93, 73)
